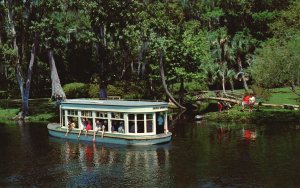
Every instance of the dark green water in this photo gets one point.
(200, 155)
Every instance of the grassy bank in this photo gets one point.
(41, 110)
(264, 114)
(257, 116)
(284, 96)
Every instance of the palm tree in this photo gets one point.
(241, 45)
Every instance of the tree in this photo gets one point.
(242, 45)
(277, 64)
(277, 61)
(17, 60)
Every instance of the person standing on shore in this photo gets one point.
(245, 101)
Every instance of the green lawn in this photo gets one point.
(284, 96)
(41, 110)
(278, 96)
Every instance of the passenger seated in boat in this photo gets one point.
(121, 128)
(71, 126)
(160, 124)
(88, 127)
(84, 123)
(100, 127)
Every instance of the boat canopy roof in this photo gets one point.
(114, 102)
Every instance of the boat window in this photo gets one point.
(72, 112)
(149, 116)
(116, 115)
(140, 123)
(149, 123)
(101, 114)
(102, 122)
(140, 126)
(131, 126)
(131, 116)
(117, 126)
(86, 113)
(131, 123)
(159, 123)
(85, 122)
(73, 120)
(140, 117)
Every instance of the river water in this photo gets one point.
(201, 154)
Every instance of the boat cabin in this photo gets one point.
(118, 116)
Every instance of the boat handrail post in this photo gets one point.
(94, 120)
(126, 126)
(66, 117)
(80, 126)
(166, 122)
(154, 123)
(60, 116)
(109, 121)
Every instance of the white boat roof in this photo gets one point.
(127, 103)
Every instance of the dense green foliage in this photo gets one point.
(278, 61)
(205, 44)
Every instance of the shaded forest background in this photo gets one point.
(85, 45)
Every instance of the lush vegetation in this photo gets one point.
(88, 45)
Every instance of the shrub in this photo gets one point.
(114, 91)
(93, 91)
(260, 92)
(76, 90)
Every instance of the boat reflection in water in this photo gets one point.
(110, 165)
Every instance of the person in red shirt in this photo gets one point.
(245, 101)
(88, 127)
(220, 106)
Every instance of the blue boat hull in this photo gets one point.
(55, 131)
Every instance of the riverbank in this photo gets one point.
(43, 110)
(40, 110)
(261, 115)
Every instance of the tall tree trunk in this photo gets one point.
(18, 69)
(243, 74)
(231, 85)
(163, 79)
(223, 82)
(25, 103)
(181, 91)
(15, 47)
(57, 91)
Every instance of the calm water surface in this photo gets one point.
(201, 154)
